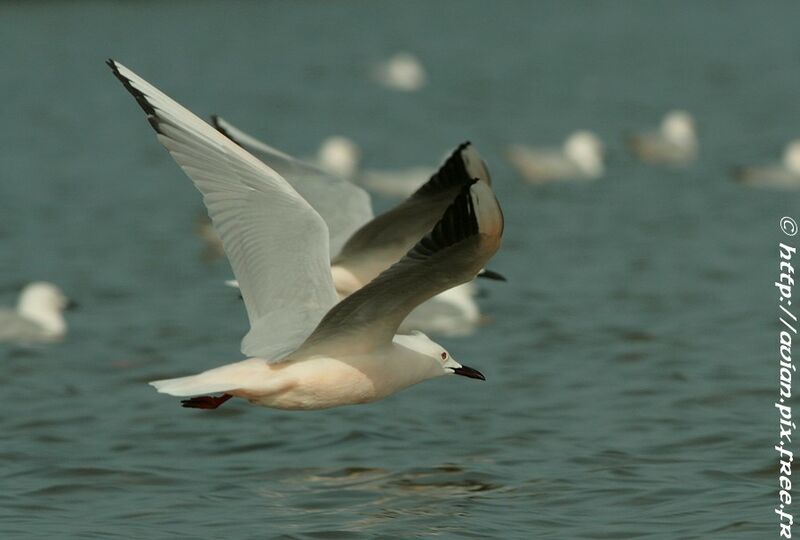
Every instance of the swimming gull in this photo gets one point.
(38, 316)
(675, 142)
(579, 158)
(402, 71)
(785, 175)
(340, 156)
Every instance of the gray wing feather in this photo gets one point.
(384, 240)
(343, 205)
(276, 242)
(466, 236)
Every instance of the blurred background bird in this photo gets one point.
(579, 158)
(674, 143)
(783, 175)
(38, 316)
(402, 71)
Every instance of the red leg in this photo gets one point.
(206, 402)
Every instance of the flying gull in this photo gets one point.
(310, 350)
(382, 241)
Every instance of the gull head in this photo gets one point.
(586, 150)
(791, 156)
(678, 128)
(440, 361)
(43, 303)
(340, 156)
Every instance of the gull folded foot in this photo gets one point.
(205, 402)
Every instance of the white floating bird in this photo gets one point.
(452, 313)
(313, 352)
(675, 143)
(342, 156)
(38, 316)
(785, 175)
(380, 242)
(395, 183)
(579, 158)
(403, 71)
(339, 155)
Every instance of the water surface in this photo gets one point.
(631, 362)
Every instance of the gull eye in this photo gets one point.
(444, 356)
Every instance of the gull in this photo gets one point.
(395, 183)
(38, 316)
(675, 142)
(380, 242)
(452, 313)
(314, 351)
(340, 156)
(784, 175)
(579, 158)
(403, 71)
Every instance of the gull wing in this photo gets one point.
(466, 236)
(276, 242)
(384, 240)
(343, 205)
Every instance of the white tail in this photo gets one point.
(222, 379)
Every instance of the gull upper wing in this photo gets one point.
(344, 206)
(276, 242)
(384, 240)
(466, 236)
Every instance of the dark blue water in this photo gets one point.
(631, 364)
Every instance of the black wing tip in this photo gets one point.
(458, 151)
(141, 99)
(452, 173)
(457, 223)
(459, 220)
(115, 70)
